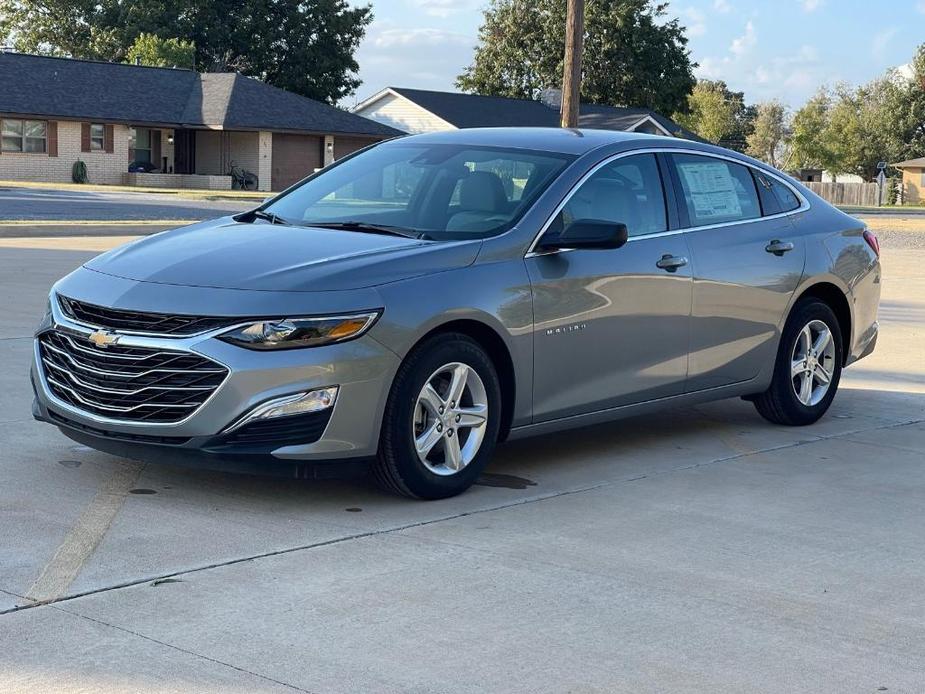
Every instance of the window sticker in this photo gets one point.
(712, 189)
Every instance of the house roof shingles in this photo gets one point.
(85, 90)
(477, 111)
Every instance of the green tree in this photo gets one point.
(860, 128)
(717, 114)
(907, 110)
(151, 49)
(632, 55)
(767, 139)
(809, 146)
(305, 46)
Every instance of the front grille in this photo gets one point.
(280, 431)
(134, 384)
(139, 321)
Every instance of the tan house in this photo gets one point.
(913, 179)
(187, 128)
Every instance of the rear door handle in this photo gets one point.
(671, 262)
(779, 247)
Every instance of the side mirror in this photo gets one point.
(589, 234)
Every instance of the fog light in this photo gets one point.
(298, 403)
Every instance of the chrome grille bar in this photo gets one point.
(132, 384)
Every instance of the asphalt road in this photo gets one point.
(48, 204)
(696, 550)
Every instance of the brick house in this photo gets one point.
(189, 126)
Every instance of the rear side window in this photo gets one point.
(715, 190)
(775, 196)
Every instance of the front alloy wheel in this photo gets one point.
(449, 419)
(441, 420)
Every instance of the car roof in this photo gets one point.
(565, 140)
(576, 141)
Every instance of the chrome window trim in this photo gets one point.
(804, 203)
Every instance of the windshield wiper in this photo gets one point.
(270, 217)
(368, 227)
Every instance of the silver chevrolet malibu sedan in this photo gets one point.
(426, 298)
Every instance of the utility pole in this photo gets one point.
(571, 77)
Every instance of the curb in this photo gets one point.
(183, 193)
(95, 223)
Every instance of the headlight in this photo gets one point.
(290, 333)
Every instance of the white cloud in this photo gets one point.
(811, 5)
(390, 38)
(881, 41)
(921, 6)
(695, 21)
(744, 43)
(445, 8)
(723, 6)
(791, 77)
(426, 58)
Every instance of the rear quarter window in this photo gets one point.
(776, 197)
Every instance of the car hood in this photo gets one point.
(227, 254)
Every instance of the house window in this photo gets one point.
(141, 144)
(97, 137)
(24, 135)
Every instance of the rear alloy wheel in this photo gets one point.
(808, 367)
(812, 363)
(441, 421)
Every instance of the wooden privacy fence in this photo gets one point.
(860, 194)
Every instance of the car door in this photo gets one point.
(611, 326)
(747, 261)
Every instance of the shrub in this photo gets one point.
(79, 172)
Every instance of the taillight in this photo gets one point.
(872, 241)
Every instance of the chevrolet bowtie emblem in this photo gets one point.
(103, 338)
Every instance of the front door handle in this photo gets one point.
(671, 262)
(779, 247)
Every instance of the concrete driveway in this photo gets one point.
(695, 550)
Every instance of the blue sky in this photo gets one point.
(779, 49)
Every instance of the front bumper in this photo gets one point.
(362, 369)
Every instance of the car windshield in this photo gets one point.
(434, 191)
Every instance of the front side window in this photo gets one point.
(716, 190)
(626, 191)
(24, 135)
(97, 136)
(439, 191)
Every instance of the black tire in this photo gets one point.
(397, 467)
(779, 403)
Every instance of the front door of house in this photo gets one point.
(184, 151)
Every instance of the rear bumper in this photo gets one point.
(866, 346)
